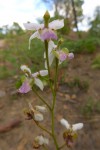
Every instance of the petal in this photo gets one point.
(33, 26)
(65, 123)
(43, 72)
(31, 107)
(45, 64)
(39, 83)
(77, 126)
(25, 88)
(34, 35)
(51, 46)
(25, 69)
(51, 58)
(56, 24)
(34, 75)
(41, 109)
(38, 117)
(48, 34)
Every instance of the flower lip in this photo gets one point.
(25, 88)
(48, 34)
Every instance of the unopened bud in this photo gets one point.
(61, 40)
(46, 18)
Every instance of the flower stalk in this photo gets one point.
(53, 54)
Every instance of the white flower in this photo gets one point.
(41, 140)
(26, 86)
(41, 109)
(74, 127)
(44, 33)
(70, 134)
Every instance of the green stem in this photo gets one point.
(48, 67)
(53, 106)
(41, 98)
(46, 50)
(43, 128)
(53, 92)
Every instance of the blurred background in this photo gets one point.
(78, 98)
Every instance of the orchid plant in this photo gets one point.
(53, 54)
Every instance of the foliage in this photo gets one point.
(77, 82)
(65, 8)
(96, 62)
(10, 31)
(90, 107)
(87, 45)
(95, 23)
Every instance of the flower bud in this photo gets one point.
(70, 55)
(46, 18)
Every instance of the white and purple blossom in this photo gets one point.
(61, 54)
(43, 33)
(74, 127)
(70, 134)
(31, 79)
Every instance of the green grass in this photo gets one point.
(90, 107)
(17, 53)
(87, 45)
(77, 82)
(96, 62)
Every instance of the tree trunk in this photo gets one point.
(75, 17)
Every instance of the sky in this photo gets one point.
(22, 11)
